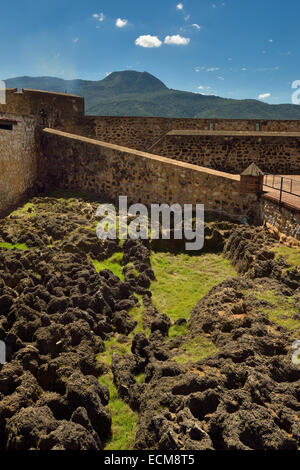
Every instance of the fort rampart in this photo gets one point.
(18, 158)
(281, 218)
(142, 133)
(57, 110)
(151, 160)
(110, 170)
(221, 144)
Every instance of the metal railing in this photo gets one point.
(282, 184)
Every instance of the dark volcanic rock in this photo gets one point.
(57, 312)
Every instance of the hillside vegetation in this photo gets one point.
(130, 93)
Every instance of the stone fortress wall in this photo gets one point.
(221, 144)
(57, 110)
(18, 158)
(20, 120)
(149, 159)
(281, 219)
(271, 152)
(142, 133)
(113, 171)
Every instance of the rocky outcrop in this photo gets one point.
(57, 314)
(245, 397)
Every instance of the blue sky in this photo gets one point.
(232, 48)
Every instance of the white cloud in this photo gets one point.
(100, 17)
(200, 87)
(271, 40)
(221, 78)
(148, 41)
(179, 6)
(75, 40)
(244, 69)
(177, 40)
(187, 17)
(196, 26)
(221, 5)
(213, 69)
(121, 23)
(263, 96)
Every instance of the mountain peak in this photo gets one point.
(131, 81)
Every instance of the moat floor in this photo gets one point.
(115, 345)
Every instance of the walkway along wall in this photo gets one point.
(74, 162)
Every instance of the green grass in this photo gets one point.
(17, 246)
(132, 269)
(182, 280)
(124, 420)
(140, 379)
(24, 210)
(290, 255)
(113, 346)
(196, 349)
(177, 330)
(113, 264)
(281, 310)
(136, 314)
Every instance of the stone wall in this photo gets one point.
(18, 160)
(278, 151)
(143, 132)
(32, 110)
(74, 162)
(282, 218)
(57, 110)
(272, 153)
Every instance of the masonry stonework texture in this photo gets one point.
(18, 160)
(57, 110)
(148, 159)
(285, 219)
(142, 133)
(110, 170)
(274, 154)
